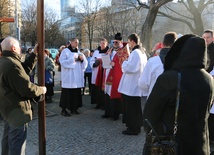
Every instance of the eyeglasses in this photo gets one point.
(115, 42)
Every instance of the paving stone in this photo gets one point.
(84, 134)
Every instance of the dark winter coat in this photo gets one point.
(16, 88)
(210, 51)
(195, 98)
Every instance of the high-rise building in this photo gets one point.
(67, 8)
(122, 2)
(69, 24)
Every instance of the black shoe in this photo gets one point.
(65, 113)
(105, 116)
(102, 107)
(115, 118)
(97, 107)
(49, 101)
(75, 112)
(130, 132)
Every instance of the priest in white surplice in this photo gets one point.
(73, 64)
(131, 93)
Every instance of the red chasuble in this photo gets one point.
(116, 73)
(99, 78)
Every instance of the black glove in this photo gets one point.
(38, 99)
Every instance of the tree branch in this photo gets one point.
(178, 19)
(175, 13)
(143, 5)
(185, 5)
(204, 5)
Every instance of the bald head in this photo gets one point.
(11, 44)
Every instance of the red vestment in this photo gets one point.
(116, 73)
(99, 78)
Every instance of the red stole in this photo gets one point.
(99, 77)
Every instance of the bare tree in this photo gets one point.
(29, 23)
(193, 14)
(53, 37)
(116, 19)
(102, 26)
(146, 32)
(88, 12)
(122, 21)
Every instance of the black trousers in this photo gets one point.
(132, 112)
(71, 99)
(50, 91)
(115, 107)
(97, 96)
(211, 126)
(100, 100)
(93, 94)
(107, 105)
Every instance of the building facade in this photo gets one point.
(66, 8)
(126, 20)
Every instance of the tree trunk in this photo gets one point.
(199, 27)
(146, 33)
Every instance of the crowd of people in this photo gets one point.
(123, 81)
(120, 87)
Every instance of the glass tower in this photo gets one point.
(66, 7)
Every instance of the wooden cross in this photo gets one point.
(6, 19)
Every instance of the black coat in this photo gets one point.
(210, 51)
(195, 99)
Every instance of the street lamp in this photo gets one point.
(17, 21)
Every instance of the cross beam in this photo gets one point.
(6, 19)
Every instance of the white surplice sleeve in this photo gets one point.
(132, 65)
(67, 59)
(145, 79)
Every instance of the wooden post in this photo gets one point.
(41, 76)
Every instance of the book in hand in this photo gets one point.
(106, 61)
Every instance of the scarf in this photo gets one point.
(75, 50)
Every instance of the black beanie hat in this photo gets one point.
(118, 36)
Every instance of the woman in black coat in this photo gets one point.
(188, 56)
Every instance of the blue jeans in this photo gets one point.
(14, 139)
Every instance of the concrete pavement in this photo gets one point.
(84, 134)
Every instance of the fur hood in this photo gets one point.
(188, 51)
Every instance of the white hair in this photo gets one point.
(9, 42)
(86, 52)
